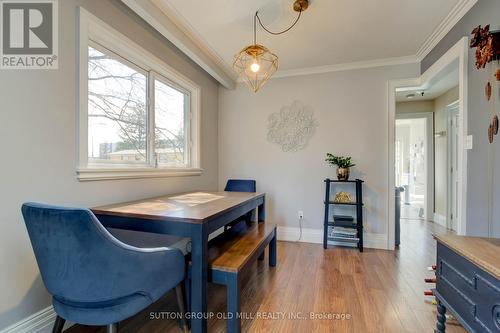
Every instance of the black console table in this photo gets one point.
(349, 222)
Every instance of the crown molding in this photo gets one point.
(184, 25)
(456, 14)
(346, 66)
(179, 34)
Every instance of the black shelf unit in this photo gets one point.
(357, 222)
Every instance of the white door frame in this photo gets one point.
(429, 157)
(451, 214)
(458, 54)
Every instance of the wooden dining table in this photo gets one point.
(195, 215)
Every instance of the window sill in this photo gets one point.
(92, 174)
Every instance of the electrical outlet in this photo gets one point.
(301, 214)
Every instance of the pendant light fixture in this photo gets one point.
(255, 64)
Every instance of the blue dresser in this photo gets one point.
(468, 282)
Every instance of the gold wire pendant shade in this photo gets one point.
(255, 64)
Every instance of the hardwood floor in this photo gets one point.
(378, 291)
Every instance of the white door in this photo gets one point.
(452, 147)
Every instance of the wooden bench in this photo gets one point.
(230, 254)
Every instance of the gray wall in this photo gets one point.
(483, 193)
(351, 109)
(38, 145)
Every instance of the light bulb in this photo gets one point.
(255, 67)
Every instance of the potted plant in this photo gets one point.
(343, 164)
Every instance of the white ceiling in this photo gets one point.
(330, 32)
(445, 82)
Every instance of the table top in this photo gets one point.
(483, 252)
(191, 207)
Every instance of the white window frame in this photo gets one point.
(93, 30)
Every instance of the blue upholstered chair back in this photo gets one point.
(80, 261)
(240, 185)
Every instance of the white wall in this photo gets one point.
(38, 145)
(351, 108)
(441, 150)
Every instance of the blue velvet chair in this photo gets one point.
(240, 185)
(95, 279)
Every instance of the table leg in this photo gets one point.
(199, 258)
(262, 219)
(233, 323)
(262, 212)
(272, 252)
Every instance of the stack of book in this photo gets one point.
(343, 229)
(343, 221)
(340, 232)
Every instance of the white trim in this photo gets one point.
(440, 219)
(456, 14)
(375, 241)
(39, 322)
(292, 234)
(183, 38)
(93, 30)
(345, 67)
(88, 174)
(315, 236)
(450, 111)
(457, 54)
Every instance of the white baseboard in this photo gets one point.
(375, 241)
(315, 236)
(440, 219)
(40, 322)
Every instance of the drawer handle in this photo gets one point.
(496, 316)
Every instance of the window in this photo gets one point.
(171, 121)
(138, 117)
(117, 110)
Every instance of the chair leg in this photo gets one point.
(261, 257)
(58, 325)
(272, 252)
(112, 328)
(182, 309)
(233, 322)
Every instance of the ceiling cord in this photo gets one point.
(257, 18)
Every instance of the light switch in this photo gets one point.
(468, 142)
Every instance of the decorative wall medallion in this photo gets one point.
(494, 124)
(292, 127)
(490, 134)
(487, 90)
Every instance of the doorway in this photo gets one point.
(453, 62)
(414, 164)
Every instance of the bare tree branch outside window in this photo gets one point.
(117, 111)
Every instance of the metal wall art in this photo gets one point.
(487, 46)
(292, 127)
